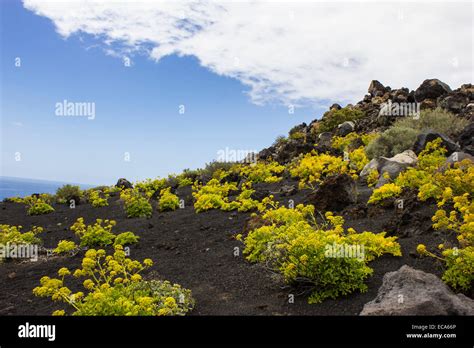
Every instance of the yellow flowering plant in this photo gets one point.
(312, 168)
(38, 205)
(98, 198)
(384, 192)
(65, 246)
(100, 233)
(113, 286)
(268, 172)
(168, 201)
(358, 159)
(13, 235)
(136, 204)
(213, 195)
(373, 177)
(293, 243)
(149, 186)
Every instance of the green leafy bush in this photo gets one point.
(13, 235)
(126, 238)
(293, 243)
(261, 171)
(213, 195)
(39, 208)
(149, 186)
(135, 204)
(391, 142)
(114, 287)
(65, 246)
(168, 200)
(98, 198)
(402, 134)
(313, 168)
(66, 193)
(279, 141)
(99, 234)
(335, 117)
(438, 120)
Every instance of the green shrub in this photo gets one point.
(44, 197)
(437, 120)
(335, 117)
(391, 142)
(99, 234)
(13, 235)
(138, 206)
(168, 200)
(261, 171)
(126, 238)
(39, 208)
(279, 141)
(291, 242)
(184, 181)
(215, 169)
(98, 198)
(150, 186)
(113, 286)
(67, 192)
(65, 246)
(213, 195)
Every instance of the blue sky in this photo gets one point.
(137, 109)
(234, 66)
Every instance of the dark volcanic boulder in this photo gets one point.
(334, 194)
(431, 89)
(345, 128)
(466, 139)
(425, 138)
(291, 149)
(288, 190)
(124, 183)
(376, 88)
(413, 292)
(454, 102)
(260, 192)
(325, 139)
(460, 101)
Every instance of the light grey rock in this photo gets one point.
(413, 292)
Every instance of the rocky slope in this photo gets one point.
(198, 250)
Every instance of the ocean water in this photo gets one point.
(19, 187)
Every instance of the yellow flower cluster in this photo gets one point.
(98, 198)
(13, 235)
(213, 195)
(313, 168)
(98, 234)
(449, 186)
(149, 186)
(261, 171)
(293, 242)
(168, 200)
(373, 177)
(114, 287)
(344, 143)
(136, 204)
(384, 192)
(65, 246)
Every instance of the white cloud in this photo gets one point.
(284, 51)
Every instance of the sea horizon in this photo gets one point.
(11, 186)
